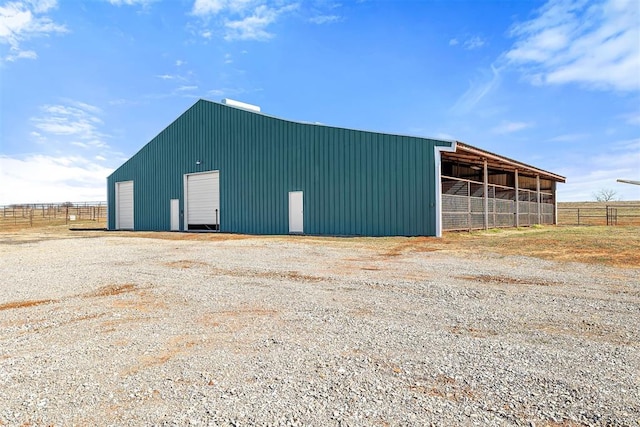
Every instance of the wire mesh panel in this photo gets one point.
(455, 204)
(477, 204)
(455, 221)
(477, 220)
(505, 220)
(463, 205)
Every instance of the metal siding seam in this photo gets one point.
(410, 193)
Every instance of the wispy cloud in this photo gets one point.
(570, 137)
(325, 19)
(632, 118)
(143, 3)
(474, 43)
(76, 122)
(574, 41)
(469, 42)
(240, 19)
(477, 91)
(21, 21)
(254, 26)
(510, 127)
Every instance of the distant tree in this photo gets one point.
(606, 195)
(67, 205)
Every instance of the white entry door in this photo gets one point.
(175, 215)
(124, 205)
(296, 214)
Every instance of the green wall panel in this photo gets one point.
(354, 182)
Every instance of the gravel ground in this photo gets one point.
(135, 331)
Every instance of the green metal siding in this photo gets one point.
(354, 182)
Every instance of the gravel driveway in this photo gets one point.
(116, 330)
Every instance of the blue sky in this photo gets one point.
(84, 85)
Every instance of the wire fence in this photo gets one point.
(38, 214)
(599, 214)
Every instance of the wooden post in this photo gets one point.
(538, 197)
(485, 190)
(469, 205)
(517, 223)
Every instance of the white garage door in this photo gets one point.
(203, 201)
(124, 205)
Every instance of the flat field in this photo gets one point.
(516, 327)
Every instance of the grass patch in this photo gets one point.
(616, 246)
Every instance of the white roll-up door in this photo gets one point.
(124, 205)
(203, 201)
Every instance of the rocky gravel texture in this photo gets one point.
(130, 331)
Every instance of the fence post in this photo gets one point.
(578, 216)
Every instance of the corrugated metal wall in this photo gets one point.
(354, 182)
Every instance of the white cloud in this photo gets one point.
(76, 119)
(477, 91)
(325, 19)
(180, 62)
(22, 54)
(254, 26)
(143, 3)
(474, 43)
(22, 21)
(510, 127)
(208, 7)
(213, 7)
(632, 118)
(573, 41)
(570, 137)
(41, 178)
(240, 19)
(470, 43)
(186, 88)
(601, 170)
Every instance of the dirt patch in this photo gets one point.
(505, 280)
(24, 304)
(185, 263)
(110, 290)
(584, 329)
(445, 387)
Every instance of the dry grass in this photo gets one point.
(595, 213)
(8, 224)
(616, 246)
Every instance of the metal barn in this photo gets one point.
(227, 167)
